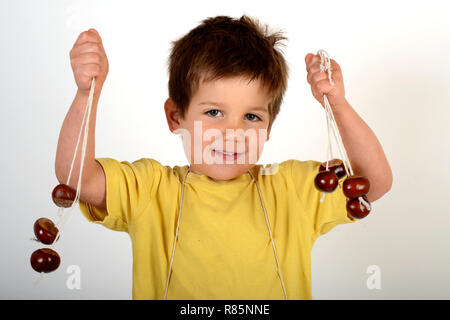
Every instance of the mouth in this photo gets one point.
(227, 155)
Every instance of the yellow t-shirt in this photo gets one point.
(223, 249)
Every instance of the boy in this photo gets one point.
(220, 228)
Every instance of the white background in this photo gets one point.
(395, 57)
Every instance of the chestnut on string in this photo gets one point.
(45, 230)
(45, 260)
(336, 166)
(356, 186)
(357, 210)
(326, 181)
(63, 195)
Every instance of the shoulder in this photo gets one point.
(305, 167)
(162, 171)
(146, 168)
(288, 172)
(296, 167)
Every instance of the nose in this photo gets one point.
(233, 130)
(232, 134)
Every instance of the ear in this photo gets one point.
(172, 114)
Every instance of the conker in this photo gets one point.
(326, 181)
(357, 210)
(336, 166)
(45, 230)
(45, 260)
(63, 196)
(355, 186)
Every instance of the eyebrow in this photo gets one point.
(264, 109)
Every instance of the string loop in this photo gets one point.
(325, 65)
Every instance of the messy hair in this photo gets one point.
(225, 47)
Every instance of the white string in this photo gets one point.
(329, 151)
(64, 217)
(323, 197)
(365, 203)
(271, 237)
(325, 65)
(87, 114)
(338, 139)
(79, 135)
(176, 237)
(268, 227)
(40, 278)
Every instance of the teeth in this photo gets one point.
(226, 153)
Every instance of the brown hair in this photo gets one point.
(224, 47)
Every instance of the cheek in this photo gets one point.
(202, 135)
(208, 135)
(256, 144)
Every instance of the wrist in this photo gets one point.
(340, 107)
(84, 94)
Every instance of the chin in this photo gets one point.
(224, 171)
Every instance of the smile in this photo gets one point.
(227, 155)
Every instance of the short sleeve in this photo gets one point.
(128, 189)
(323, 215)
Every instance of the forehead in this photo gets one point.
(232, 91)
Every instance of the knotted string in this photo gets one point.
(325, 65)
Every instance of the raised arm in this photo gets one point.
(364, 151)
(88, 60)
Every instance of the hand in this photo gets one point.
(88, 60)
(320, 84)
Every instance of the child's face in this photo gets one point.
(228, 114)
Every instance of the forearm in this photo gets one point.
(68, 137)
(364, 151)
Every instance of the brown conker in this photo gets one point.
(63, 195)
(357, 210)
(355, 186)
(336, 166)
(45, 260)
(326, 181)
(45, 230)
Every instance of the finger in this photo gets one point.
(90, 70)
(87, 47)
(308, 58)
(98, 34)
(334, 65)
(87, 36)
(314, 77)
(315, 68)
(312, 61)
(323, 86)
(88, 58)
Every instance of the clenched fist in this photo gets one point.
(88, 60)
(320, 84)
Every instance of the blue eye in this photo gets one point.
(251, 114)
(214, 112)
(209, 112)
